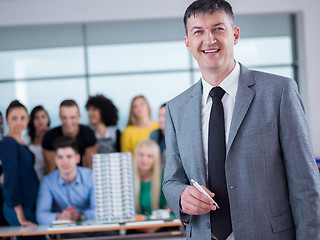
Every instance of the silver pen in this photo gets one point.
(197, 186)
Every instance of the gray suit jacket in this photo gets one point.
(272, 178)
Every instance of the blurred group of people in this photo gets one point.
(47, 173)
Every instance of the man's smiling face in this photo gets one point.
(211, 39)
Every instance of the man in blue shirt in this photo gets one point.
(67, 193)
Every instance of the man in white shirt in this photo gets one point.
(270, 183)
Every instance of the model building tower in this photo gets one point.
(113, 186)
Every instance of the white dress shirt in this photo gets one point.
(230, 86)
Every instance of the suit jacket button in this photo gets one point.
(208, 225)
(233, 187)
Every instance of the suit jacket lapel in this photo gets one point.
(195, 121)
(244, 98)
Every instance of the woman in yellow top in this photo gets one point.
(139, 126)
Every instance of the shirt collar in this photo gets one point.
(63, 182)
(109, 133)
(229, 84)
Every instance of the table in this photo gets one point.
(13, 231)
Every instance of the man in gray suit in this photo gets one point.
(272, 181)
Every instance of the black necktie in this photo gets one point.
(220, 219)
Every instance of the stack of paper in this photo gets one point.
(63, 223)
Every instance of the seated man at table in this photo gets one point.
(67, 193)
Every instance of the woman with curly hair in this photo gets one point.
(103, 116)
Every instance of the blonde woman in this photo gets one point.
(139, 126)
(148, 177)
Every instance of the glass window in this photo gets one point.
(7, 94)
(138, 57)
(37, 63)
(122, 65)
(196, 76)
(283, 71)
(48, 93)
(264, 51)
(157, 88)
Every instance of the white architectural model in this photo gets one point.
(113, 186)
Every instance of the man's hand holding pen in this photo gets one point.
(194, 202)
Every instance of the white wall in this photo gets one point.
(38, 12)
